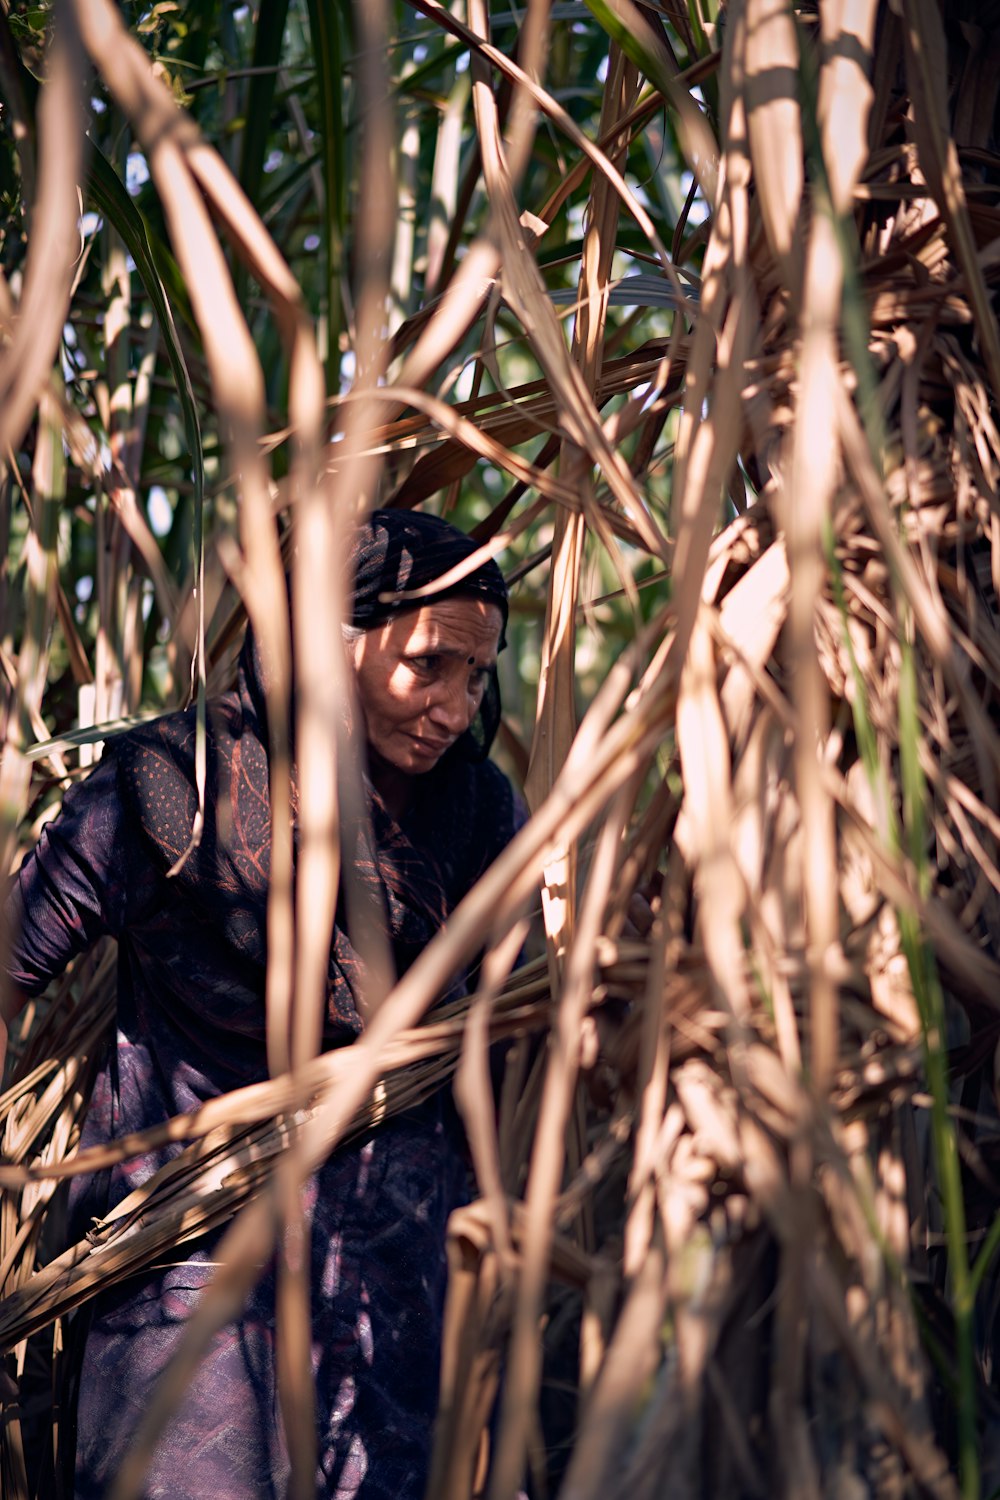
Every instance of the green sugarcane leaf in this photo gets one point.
(325, 30)
(267, 42)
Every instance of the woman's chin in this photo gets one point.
(418, 755)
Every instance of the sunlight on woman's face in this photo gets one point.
(421, 678)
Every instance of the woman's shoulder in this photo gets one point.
(158, 776)
(169, 735)
(169, 741)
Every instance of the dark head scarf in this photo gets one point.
(417, 871)
(398, 551)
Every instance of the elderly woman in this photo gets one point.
(191, 973)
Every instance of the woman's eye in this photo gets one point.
(423, 663)
(478, 680)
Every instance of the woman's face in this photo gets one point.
(421, 678)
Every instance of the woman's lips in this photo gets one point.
(430, 747)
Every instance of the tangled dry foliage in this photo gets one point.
(770, 1220)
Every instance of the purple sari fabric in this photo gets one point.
(190, 1026)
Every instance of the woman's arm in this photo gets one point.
(71, 890)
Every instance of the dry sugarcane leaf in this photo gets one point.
(470, 1365)
(49, 488)
(463, 298)
(555, 720)
(774, 124)
(323, 687)
(473, 1091)
(750, 617)
(812, 478)
(631, 1359)
(27, 360)
(654, 1062)
(510, 425)
(706, 446)
(547, 1155)
(522, 1008)
(847, 28)
(475, 442)
(701, 738)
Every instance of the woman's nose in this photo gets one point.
(451, 709)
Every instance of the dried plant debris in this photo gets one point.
(707, 352)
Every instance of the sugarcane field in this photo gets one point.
(500, 779)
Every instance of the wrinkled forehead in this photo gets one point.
(460, 625)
